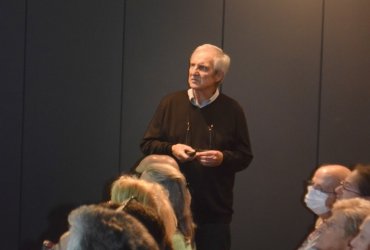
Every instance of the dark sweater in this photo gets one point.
(220, 126)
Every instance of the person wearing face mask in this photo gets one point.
(321, 196)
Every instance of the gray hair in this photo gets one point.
(221, 61)
(354, 210)
(175, 183)
(94, 227)
(149, 194)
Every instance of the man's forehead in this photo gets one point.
(202, 60)
(205, 52)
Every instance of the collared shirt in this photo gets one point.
(205, 102)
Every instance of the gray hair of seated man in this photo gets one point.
(95, 227)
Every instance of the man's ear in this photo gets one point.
(219, 75)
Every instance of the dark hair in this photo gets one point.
(175, 183)
(97, 227)
(150, 219)
(146, 216)
(363, 172)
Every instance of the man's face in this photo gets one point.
(332, 236)
(202, 75)
(362, 240)
(322, 182)
(349, 188)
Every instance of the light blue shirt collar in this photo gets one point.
(205, 102)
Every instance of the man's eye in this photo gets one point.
(203, 68)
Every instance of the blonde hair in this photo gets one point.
(174, 181)
(354, 210)
(149, 194)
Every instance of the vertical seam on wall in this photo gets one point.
(122, 88)
(223, 23)
(223, 30)
(320, 84)
(22, 125)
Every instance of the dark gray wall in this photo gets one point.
(81, 80)
(345, 98)
(12, 30)
(72, 112)
(275, 49)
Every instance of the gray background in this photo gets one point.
(80, 81)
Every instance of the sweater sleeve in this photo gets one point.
(240, 155)
(154, 140)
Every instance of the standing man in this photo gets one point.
(206, 132)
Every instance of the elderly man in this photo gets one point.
(321, 196)
(206, 132)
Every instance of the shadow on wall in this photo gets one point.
(57, 220)
(57, 225)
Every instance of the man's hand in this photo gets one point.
(183, 152)
(210, 158)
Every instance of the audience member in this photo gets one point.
(343, 225)
(61, 245)
(150, 195)
(150, 219)
(320, 195)
(357, 184)
(174, 182)
(362, 240)
(97, 228)
(147, 216)
(155, 159)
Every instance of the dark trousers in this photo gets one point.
(213, 237)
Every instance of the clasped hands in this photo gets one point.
(209, 158)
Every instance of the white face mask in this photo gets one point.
(316, 201)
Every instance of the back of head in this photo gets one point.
(97, 228)
(154, 159)
(354, 210)
(150, 219)
(175, 183)
(172, 180)
(150, 195)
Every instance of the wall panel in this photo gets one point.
(72, 110)
(275, 50)
(12, 29)
(345, 118)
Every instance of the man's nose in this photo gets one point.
(194, 70)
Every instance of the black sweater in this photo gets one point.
(221, 126)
